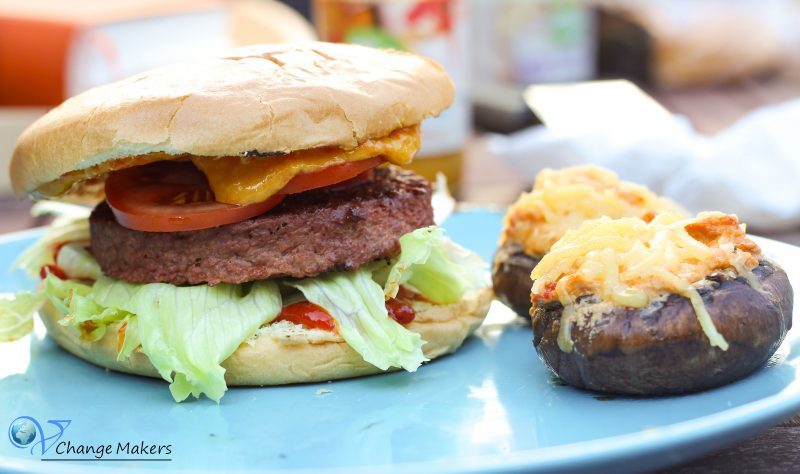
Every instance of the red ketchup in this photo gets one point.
(309, 315)
(55, 270)
(401, 312)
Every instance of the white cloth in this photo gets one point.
(751, 169)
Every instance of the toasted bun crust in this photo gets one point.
(287, 353)
(269, 98)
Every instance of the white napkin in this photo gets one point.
(751, 169)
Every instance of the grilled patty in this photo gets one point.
(307, 234)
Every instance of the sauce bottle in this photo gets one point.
(433, 28)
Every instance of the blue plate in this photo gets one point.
(490, 407)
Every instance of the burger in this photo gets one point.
(253, 227)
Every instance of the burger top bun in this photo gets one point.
(266, 98)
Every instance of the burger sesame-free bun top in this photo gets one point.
(268, 98)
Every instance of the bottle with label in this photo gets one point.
(515, 43)
(433, 28)
(533, 42)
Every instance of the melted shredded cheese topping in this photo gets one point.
(248, 180)
(562, 199)
(630, 262)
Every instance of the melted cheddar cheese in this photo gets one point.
(630, 262)
(562, 199)
(248, 180)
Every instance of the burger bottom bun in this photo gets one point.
(284, 353)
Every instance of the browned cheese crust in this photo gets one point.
(307, 234)
(511, 277)
(662, 349)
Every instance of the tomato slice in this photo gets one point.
(170, 196)
(329, 176)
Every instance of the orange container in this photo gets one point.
(38, 41)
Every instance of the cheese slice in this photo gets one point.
(248, 180)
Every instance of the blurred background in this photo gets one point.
(707, 111)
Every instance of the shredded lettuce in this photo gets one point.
(82, 308)
(186, 332)
(435, 267)
(64, 212)
(16, 315)
(77, 262)
(130, 337)
(60, 292)
(357, 304)
(189, 331)
(91, 309)
(41, 253)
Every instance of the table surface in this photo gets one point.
(488, 181)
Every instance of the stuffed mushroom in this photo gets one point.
(561, 200)
(672, 306)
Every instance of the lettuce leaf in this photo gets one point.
(130, 337)
(435, 267)
(186, 332)
(189, 331)
(41, 253)
(16, 315)
(62, 211)
(77, 262)
(74, 300)
(357, 304)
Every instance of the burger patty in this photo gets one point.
(307, 234)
